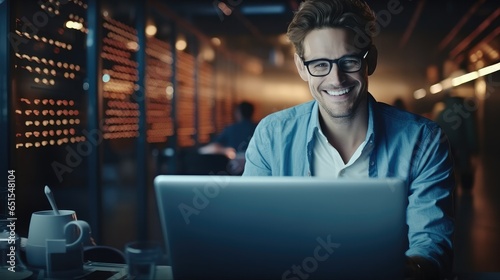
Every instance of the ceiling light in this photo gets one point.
(216, 41)
(489, 69)
(151, 30)
(181, 43)
(207, 53)
(453, 82)
(464, 78)
(436, 88)
(419, 94)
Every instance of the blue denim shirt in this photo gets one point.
(406, 146)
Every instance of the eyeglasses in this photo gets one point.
(347, 64)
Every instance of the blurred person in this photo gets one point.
(399, 103)
(459, 124)
(233, 140)
(345, 132)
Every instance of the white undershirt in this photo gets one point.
(329, 163)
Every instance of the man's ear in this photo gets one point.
(300, 67)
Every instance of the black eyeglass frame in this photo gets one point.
(336, 61)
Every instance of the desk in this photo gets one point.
(98, 270)
(165, 273)
(93, 271)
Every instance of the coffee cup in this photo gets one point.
(56, 240)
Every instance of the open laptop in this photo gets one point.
(227, 227)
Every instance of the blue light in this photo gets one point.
(106, 78)
(263, 9)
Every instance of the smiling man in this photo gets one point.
(345, 132)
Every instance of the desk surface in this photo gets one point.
(165, 273)
(97, 270)
(93, 271)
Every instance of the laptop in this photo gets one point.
(229, 227)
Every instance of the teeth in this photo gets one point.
(337, 92)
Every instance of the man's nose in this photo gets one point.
(336, 76)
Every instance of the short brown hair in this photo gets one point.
(316, 14)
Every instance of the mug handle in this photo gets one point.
(84, 232)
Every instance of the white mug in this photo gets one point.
(46, 226)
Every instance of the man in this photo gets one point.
(344, 132)
(234, 138)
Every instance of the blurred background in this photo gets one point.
(98, 97)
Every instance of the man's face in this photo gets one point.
(339, 94)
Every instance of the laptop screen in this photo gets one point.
(228, 227)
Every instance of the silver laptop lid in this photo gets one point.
(226, 227)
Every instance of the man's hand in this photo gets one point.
(419, 268)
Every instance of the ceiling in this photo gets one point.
(258, 20)
(422, 33)
(255, 17)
